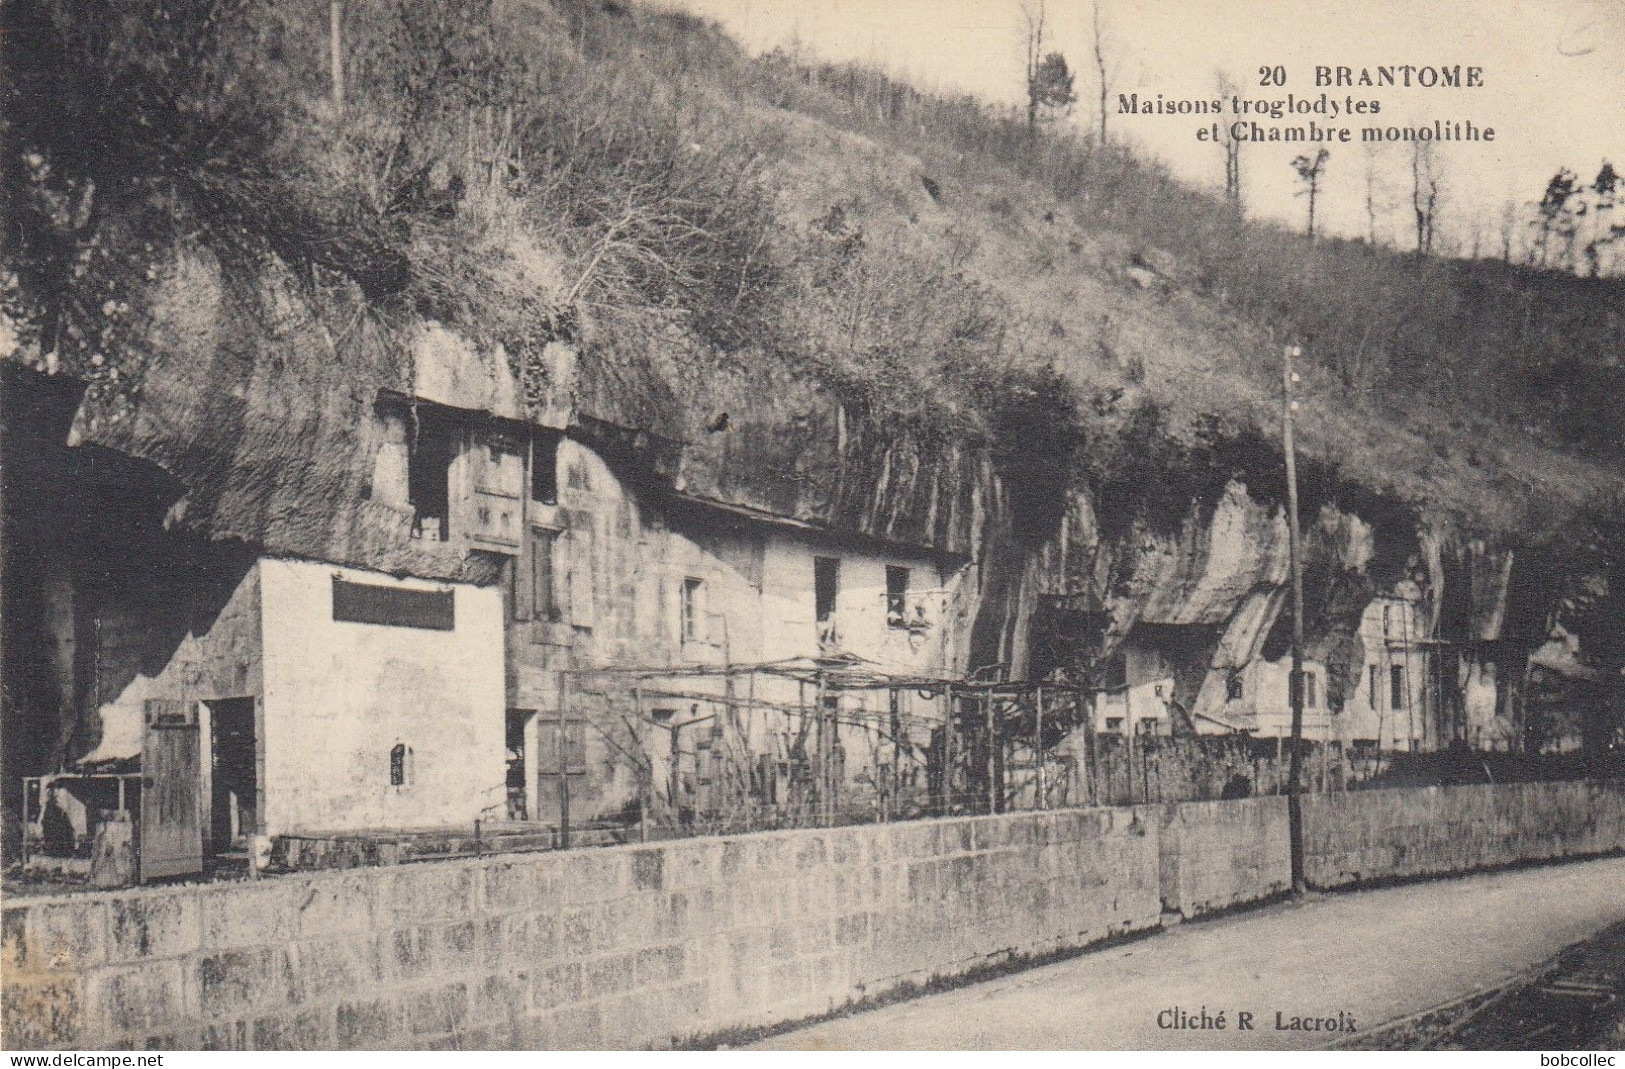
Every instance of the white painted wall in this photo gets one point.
(338, 696)
(1385, 646)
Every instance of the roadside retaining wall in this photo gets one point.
(643, 945)
(1404, 834)
(1213, 855)
(619, 947)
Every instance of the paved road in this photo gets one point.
(1374, 956)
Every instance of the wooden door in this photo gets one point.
(556, 786)
(171, 791)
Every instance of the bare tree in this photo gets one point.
(1309, 169)
(1427, 179)
(1105, 68)
(1035, 22)
(1376, 191)
(1226, 88)
(1507, 226)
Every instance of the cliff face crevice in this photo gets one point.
(264, 409)
(267, 412)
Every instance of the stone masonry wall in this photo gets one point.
(619, 947)
(1214, 855)
(1400, 834)
(639, 946)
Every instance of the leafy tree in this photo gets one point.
(1051, 85)
(1309, 169)
(1049, 80)
(1604, 231)
(1555, 218)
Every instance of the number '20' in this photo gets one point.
(1272, 76)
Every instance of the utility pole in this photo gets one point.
(561, 754)
(1294, 785)
(336, 49)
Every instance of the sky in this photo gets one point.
(1553, 72)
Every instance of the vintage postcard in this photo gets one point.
(835, 525)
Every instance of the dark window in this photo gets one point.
(1114, 723)
(1375, 685)
(896, 596)
(1396, 686)
(692, 608)
(544, 467)
(400, 765)
(538, 596)
(1310, 689)
(366, 603)
(1233, 685)
(432, 448)
(826, 584)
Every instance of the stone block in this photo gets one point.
(525, 940)
(238, 982)
(852, 930)
(787, 980)
(810, 854)
(367, 1025)
(659, 965)
(430, 892)
(224, 1035)
(458, 948)
(557, 985)
(688, 1006)
(813, 937)
(136, 998)
(246, 914)
(575, 1028)
(594, 875)
(671, 916)
(407, 953)
(516, 886)
(845, 848)
(306, 1030)
(608, 976)
(692, 864)
(500, 998)
(154, 926)
(586, 930)
(648, 870)
(337, 905)
(735, 858)
(335, 966)
(41, 1013)
(924, 882)
(437, 1010)
(61, 936)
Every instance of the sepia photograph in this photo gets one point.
(812, 525)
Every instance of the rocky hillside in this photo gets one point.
(919, 322)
